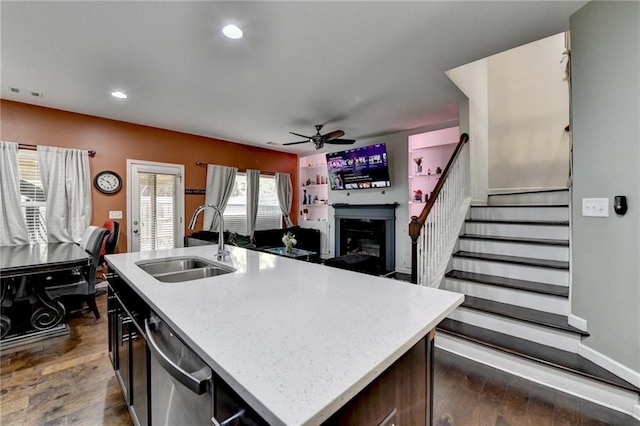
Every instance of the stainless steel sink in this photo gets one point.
(192, 274)
(173, 264)
(178, 269)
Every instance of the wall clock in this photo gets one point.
(108, 182)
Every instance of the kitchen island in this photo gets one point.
(296, 341)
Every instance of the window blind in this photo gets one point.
(157, 196)
(269, 215)
(32, 197)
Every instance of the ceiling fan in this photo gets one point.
(319, 140)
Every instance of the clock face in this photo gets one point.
(108, 182)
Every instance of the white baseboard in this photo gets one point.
(577, 322)
(599, 393)
(622, 371)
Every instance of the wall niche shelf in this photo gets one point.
(313, 169)
(434, 149)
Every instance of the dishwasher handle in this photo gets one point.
(195, 382)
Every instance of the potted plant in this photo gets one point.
(418, 161)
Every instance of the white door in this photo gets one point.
(155, 205)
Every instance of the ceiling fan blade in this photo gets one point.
(333, 135)
(302, 136)
(295, 143)
(341, 141)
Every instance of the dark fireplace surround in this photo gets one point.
(367, 229)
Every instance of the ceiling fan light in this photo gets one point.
(232, 32)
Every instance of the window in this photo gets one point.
(33, 200)
(269, 214)
(157, 194)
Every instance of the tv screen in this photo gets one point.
(359, 168)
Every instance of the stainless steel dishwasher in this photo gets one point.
(183, 388)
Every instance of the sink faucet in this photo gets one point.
(222, 252)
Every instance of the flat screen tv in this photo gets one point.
(359, 168)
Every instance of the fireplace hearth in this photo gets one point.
(366, 229)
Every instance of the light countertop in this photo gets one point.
(295, 340)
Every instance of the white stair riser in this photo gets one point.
(520, 213)
(509, 270)
(536, 251)
(540, 334)
(538, 301)
(514, 230)
(531, 198)
(582, 387)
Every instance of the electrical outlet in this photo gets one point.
(595, 207)
(115, 214)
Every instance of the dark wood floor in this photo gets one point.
(68, 380)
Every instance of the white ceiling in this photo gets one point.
(368, 68)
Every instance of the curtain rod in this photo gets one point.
(200, 163)
(34, 147)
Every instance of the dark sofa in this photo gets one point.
(308, 239)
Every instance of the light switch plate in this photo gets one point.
(595, 207)
(115, 214)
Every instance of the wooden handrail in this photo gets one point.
(417, 222)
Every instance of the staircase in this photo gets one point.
(512, 264)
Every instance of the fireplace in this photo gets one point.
(366, 229)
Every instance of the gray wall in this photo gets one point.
(606, 136)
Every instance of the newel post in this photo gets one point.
(414, 233)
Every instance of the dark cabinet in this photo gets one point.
(401, 395)
(128, 349)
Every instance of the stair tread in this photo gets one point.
(522, 222)
(534, 316)
(541, 241)
(532, 286)
(558, 358)
(523, 205)
(533, 191)
(527, 261)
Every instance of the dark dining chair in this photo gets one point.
(108, 247)
(81, 282)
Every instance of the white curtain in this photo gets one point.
(67, 185)
(285, 195)
(253, 193)
(13, 228)
(220, 181)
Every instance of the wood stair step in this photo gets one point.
(522, 222)
(521, 205)
(521, 240)
(532, 286)
(548, 355)
(526, 261)
(529, 315)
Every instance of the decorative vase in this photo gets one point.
(289, 248)
(418, 168)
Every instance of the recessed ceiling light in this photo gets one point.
(119, 95)
(232, 32)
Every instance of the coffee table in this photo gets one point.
(296, 254)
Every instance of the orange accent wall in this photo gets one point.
(116, 141)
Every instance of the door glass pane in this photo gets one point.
(157, 200)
